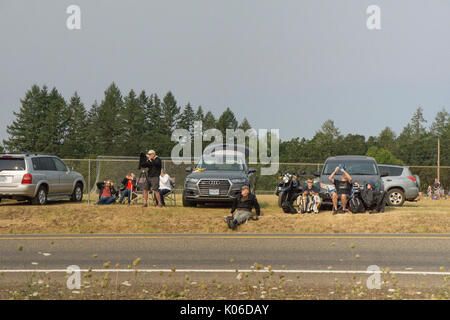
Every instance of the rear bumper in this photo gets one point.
(20, 191)
(411, 193)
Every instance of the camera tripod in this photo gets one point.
(142, 175)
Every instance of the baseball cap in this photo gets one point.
(151, 152)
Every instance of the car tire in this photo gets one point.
(41, 197)
(281, 197)
(187, 203)
(77, 194)
(395, 197)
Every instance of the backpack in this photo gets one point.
(356, 205)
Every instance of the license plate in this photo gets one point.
(5, 179)
(214, 192)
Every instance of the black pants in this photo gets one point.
(374, 200)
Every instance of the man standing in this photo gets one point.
(243, 203)
(343, 189)
(153, 164)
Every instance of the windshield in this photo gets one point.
(357, 167)
(12, 164)
(221, 163)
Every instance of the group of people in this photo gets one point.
(368, 197)
(156, 180)
(436, 191)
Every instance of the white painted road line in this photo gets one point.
(424, 273)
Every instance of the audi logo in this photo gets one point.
(214, 182)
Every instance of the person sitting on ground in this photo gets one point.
(429, 192)
(343, 189)
(243, 205)
(108, 193)
(128, 185)
(310, 196)
(165, 185)
(373, 199)
(437, 188)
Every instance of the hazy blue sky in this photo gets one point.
(282, 64)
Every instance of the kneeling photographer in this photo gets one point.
(153, 163)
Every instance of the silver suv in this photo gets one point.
(38, 179)
(400, 184)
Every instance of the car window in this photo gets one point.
(9, 163)
(392, 171)
(43, 163)
(60, 166)
(357, 167)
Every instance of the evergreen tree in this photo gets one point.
(107, 125)
(187, 118)
(245, 125)
(134, 123)
(55, 123)
(170, 113)
(209, 121)
(441, 123)
(24, 130)
(227, 120)
(76, 143)
(199, 115)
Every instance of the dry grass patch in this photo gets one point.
(426, 216)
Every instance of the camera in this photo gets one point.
(142, 160)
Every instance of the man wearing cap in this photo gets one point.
(243, 205)
(153, 164)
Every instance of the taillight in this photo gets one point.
(27, 178)
(413, 179)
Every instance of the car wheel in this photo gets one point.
(77, 194)
(187, 203)
(395, 197)
(281, 197)
(40, 198)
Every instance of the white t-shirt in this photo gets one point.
(164, 182)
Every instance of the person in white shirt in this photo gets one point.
(165, 185)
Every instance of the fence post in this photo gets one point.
(89, 181)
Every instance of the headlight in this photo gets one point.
(239, 180)
(285, 179)
(192, 180)
(327, 187)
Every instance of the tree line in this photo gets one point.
(127, 125)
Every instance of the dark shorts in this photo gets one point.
(340, 194)
(152, 183)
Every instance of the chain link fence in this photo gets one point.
(116, 168)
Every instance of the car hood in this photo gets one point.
(217, 175)
(361, 179)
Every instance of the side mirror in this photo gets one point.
(251, 170)
(316, 174)
(188, 169)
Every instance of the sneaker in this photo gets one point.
(335, 211)
(373, 211)
(145, 205)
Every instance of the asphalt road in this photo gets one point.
(349, 252)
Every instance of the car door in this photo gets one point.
(52, 175)
(65, 177)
